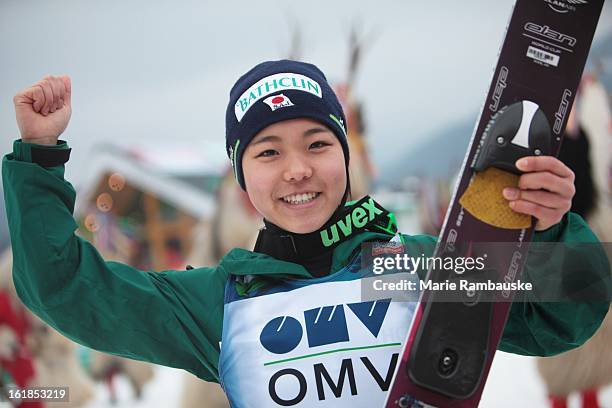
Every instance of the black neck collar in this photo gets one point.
(348, 220)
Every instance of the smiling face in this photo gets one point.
(295, 174)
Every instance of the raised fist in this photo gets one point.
(43, 110)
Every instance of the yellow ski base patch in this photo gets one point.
(484, 199)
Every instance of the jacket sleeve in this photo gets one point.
(548, 328)
(172, 318)
(577, 264)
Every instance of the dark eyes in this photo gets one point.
(267, 153)
(315, 145)
(319, 144)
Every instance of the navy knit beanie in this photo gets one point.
(274, 91)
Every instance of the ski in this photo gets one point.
(450, 346)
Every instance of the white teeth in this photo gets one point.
(299, 198)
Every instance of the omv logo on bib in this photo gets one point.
(360, 366)
(323, 325)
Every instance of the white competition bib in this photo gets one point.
(311, 343)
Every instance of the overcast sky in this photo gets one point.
(150, 72)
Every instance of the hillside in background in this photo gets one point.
(441, 155)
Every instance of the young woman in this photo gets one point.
(284, 324)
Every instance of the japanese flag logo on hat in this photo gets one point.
(278, 101)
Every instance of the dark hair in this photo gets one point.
(347, 193)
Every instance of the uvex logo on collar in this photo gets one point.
(363, 215)
(365, 212)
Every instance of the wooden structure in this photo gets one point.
(136, 214)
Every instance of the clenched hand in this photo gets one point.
(43, 110)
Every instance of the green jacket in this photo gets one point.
(175, 318)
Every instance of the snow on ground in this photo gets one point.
(515, 382)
